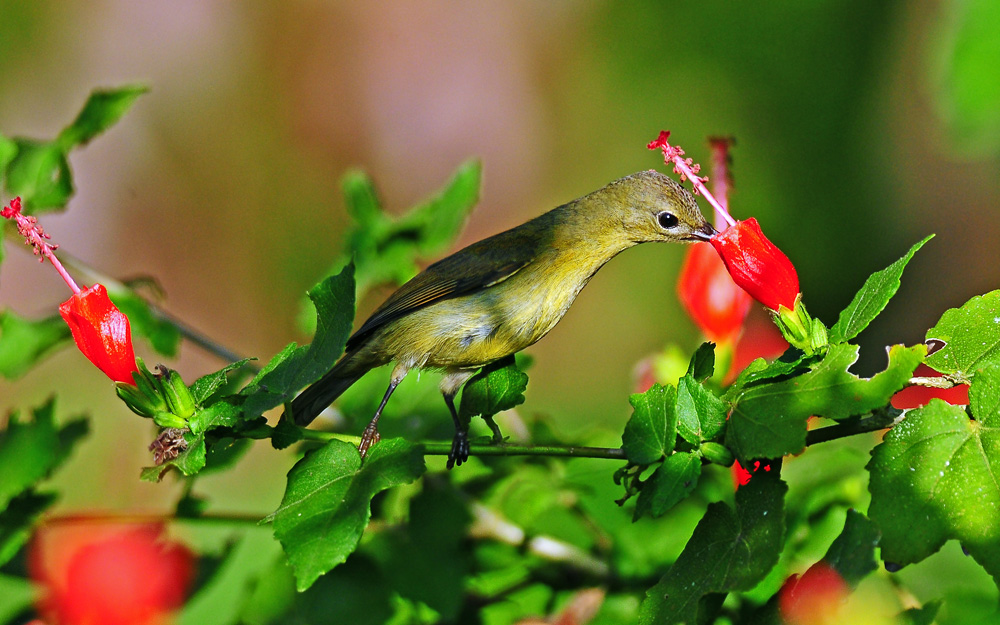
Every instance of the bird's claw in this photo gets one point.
(459, 449)
(368, 438)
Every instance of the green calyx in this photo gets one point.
(162, 397)
(800, 329)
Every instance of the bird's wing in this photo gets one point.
(478, 266)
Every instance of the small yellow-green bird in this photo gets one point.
(500, 295)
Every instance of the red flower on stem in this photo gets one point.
(754, 263)
(758, 265)
(100, 330)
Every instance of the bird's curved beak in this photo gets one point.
(705, 233)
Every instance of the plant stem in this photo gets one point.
(881, 419)
(504, 449)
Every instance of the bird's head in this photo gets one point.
(650, 206)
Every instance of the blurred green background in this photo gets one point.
(861, 127)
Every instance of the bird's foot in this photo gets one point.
(459, 449)
(368, 438)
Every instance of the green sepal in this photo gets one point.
(800, 329)
(169, 420)
(145, 397)
(136, 399)
(179, 399)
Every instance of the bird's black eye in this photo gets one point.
(667, 220)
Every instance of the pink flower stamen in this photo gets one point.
(687, 170)
(37, 238)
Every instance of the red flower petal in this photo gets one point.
(758, 265)
(101, 331)
(710, 296)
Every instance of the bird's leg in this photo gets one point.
(370, 436)
(460, 443)
(497, 434)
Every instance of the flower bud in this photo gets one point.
(102, 332)
(757, 265)
(180, 401)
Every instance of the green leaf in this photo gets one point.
(670, 483)
(203, 387)
(921, 616)
(295, 368)
(497, 387)
(224, 413)
(18, 594)
(24, 342)
(759, 371)
(936, 476)
(651, 432)
(971, 335)
(29, 451)
(103, 109)
(285, 434)
(702, 365)
(17, 521)
(386, 249)
(872, 298)
(701, 415)
(769, 419)
(852, 554)
(40, 174)
(162, 334)
(327, 502)
(728, 551)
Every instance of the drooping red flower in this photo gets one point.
(815, 598)
(101, 331)
(94, 571)
(757, 265)
(710, 296)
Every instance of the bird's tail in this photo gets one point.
(317, 397)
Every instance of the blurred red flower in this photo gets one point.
(710, 296)
(101, 331)
(917, 396)
(108, 573)
(815, 598)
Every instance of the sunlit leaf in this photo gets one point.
(651, 432)
(327, 502)
(769, 419)
(971, 337)
(936, 476)
(871, 300)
